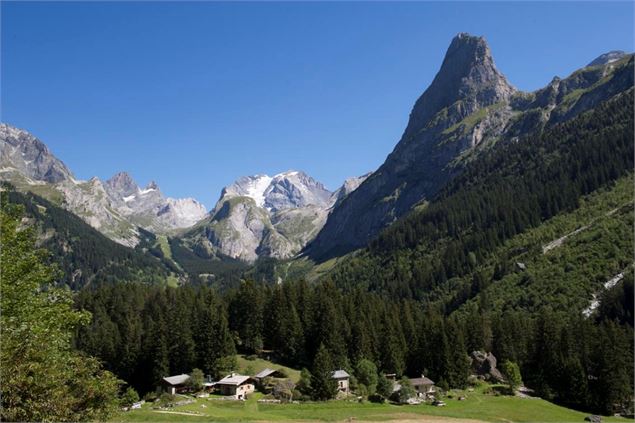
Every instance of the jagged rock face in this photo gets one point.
(349, 185)
(468, 105)
(149, 208)
(115, 207)
(28, 155)
(295, 189)
(264, 216)
(437, 132)
(121, 185)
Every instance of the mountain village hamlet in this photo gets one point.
(483, 272)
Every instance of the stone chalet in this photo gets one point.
(342, 378)
(235, 385)
(423, 386)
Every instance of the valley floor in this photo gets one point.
(477, 407)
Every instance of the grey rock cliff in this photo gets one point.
(468, 105)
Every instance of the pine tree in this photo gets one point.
(323, 386)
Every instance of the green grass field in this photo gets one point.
(259, 364)
(477, 407)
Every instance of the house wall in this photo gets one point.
(342, 385)
(237, 391)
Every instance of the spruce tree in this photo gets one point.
(323, 386)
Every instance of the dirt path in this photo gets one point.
(181, 413)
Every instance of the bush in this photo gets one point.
(129, 397)
(384, 387)
(167, 400)
(195, 382)
(150, 396)
(406, 392)
(376, 398)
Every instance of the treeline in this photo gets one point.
(144, 333)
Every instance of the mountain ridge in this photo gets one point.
(468, 107)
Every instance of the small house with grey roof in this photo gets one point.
(342, 378)
(237, 386)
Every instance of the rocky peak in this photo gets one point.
(30, 156)
(467, 81)
(286, 190)
(122, 185)
(294, 189)
(152, 186)
(611, 56)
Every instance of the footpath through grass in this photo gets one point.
(477, 406)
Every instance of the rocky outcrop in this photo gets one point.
(349, 185)
(484, 366)
(468, 106)
(21, 151)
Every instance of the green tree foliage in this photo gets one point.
(366, 373)
(129, 397)
(304, 384)
(384, 386)
(406, 391)
(512, 373)
(43, 379)
(323, 386)
(196, 379)
(83, 252)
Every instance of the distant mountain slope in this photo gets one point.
(115, 208)
(440, 252)
(469, 106)
(85, 256)
(264, 216)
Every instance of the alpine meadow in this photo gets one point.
(481, 269)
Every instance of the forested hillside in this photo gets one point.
(85, 255)
(507, 191)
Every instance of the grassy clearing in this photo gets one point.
(477, 406)
(162, 240)
(258, 364)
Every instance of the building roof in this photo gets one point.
(233, 379)
(264, 373)
(176, 380)
(418, 381)
(340, 374)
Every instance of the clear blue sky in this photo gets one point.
(194, 95)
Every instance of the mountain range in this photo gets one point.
(469, 108)
(255, 216)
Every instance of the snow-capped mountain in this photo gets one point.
(291, 189)
(270, 216)
(116, 207)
